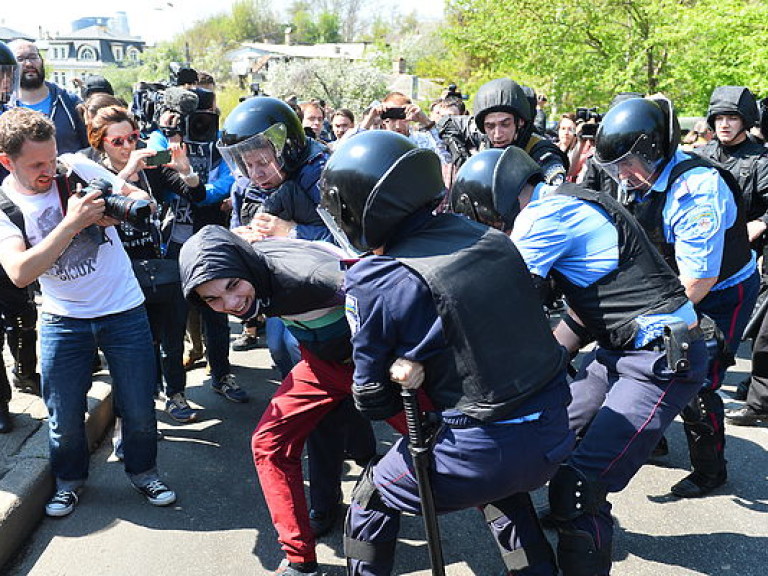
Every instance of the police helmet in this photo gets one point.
(736, 100)
(10, 73)
(258, 123)
(638, 128)
(374, 181)
(488, 185)
(501, 95)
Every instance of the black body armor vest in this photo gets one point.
(641, 284)
(736, 251)
(501, 350)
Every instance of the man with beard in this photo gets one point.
(48, 98)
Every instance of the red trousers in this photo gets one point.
(312, 389)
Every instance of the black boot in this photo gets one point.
(6, 425)
(706, 443)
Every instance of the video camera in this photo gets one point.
(587, 114)
(197, 122)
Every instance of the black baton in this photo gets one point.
(417, 446)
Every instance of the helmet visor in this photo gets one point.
(9, 83)
(637, 169)
(338, 234)
(258, 157)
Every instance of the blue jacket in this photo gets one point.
(71, 134)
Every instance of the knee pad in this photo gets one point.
(572, 494)
(698, 413)
(577, 554)
(365, 493)
(520, 558)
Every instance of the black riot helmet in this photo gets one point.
(261, 122)
(489, 184)
(9, 75)
(640, 130)
(373, 182)
(736, 100)
(501, 95)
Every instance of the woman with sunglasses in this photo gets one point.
(114, 135)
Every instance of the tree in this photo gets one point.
(353, 85)
(583, 53)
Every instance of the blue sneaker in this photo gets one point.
(179, 409)
(229, 389)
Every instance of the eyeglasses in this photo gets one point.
(118, 141)
(28, 58)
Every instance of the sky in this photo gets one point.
(156, 20)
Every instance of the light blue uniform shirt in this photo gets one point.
(698, 210)
(579, 240)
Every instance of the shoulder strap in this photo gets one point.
(14, 215)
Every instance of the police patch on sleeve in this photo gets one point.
(352, 312)
(702, 221)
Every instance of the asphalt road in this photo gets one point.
(220, 524)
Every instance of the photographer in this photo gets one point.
(113, 134)
(90, 298)
(190, 116)
(397, 114)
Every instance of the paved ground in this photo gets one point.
(220, 524)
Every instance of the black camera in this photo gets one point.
(587, 114)
(133, 211)
(393, 113)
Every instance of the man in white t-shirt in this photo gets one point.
(90, 299)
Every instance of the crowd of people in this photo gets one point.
(394, 255)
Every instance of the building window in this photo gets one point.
(118, 52)
(133, 53)
(87, 53)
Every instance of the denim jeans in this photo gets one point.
(67, 349)
(168, 321)
(283, 346)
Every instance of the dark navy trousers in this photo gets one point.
(471, 467)
(622, 403)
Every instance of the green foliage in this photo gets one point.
(582, 53)
(340, 83)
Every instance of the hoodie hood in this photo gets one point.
(733, 100)
(288, 276)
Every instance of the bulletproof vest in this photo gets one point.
(554, 163)
(500, 348)
(306, 277)
(741, 161)
(11, 296)
(641, 284)
(736, 251)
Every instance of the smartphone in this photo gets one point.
(162, 157)
(393, 113)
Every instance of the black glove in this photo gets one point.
(377, 401)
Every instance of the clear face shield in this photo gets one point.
(338, 234)
(10, 75)
(258, 157)
(637, 169)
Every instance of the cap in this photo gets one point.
(97, 84)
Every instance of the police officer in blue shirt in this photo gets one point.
(650, 355)
(696, 221)
(451, 301)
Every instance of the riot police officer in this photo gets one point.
(447, 296)
(503, 117)
(18, 313)
(696, 221)
(732, 112)
(621, 293)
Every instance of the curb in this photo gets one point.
(27, 485)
